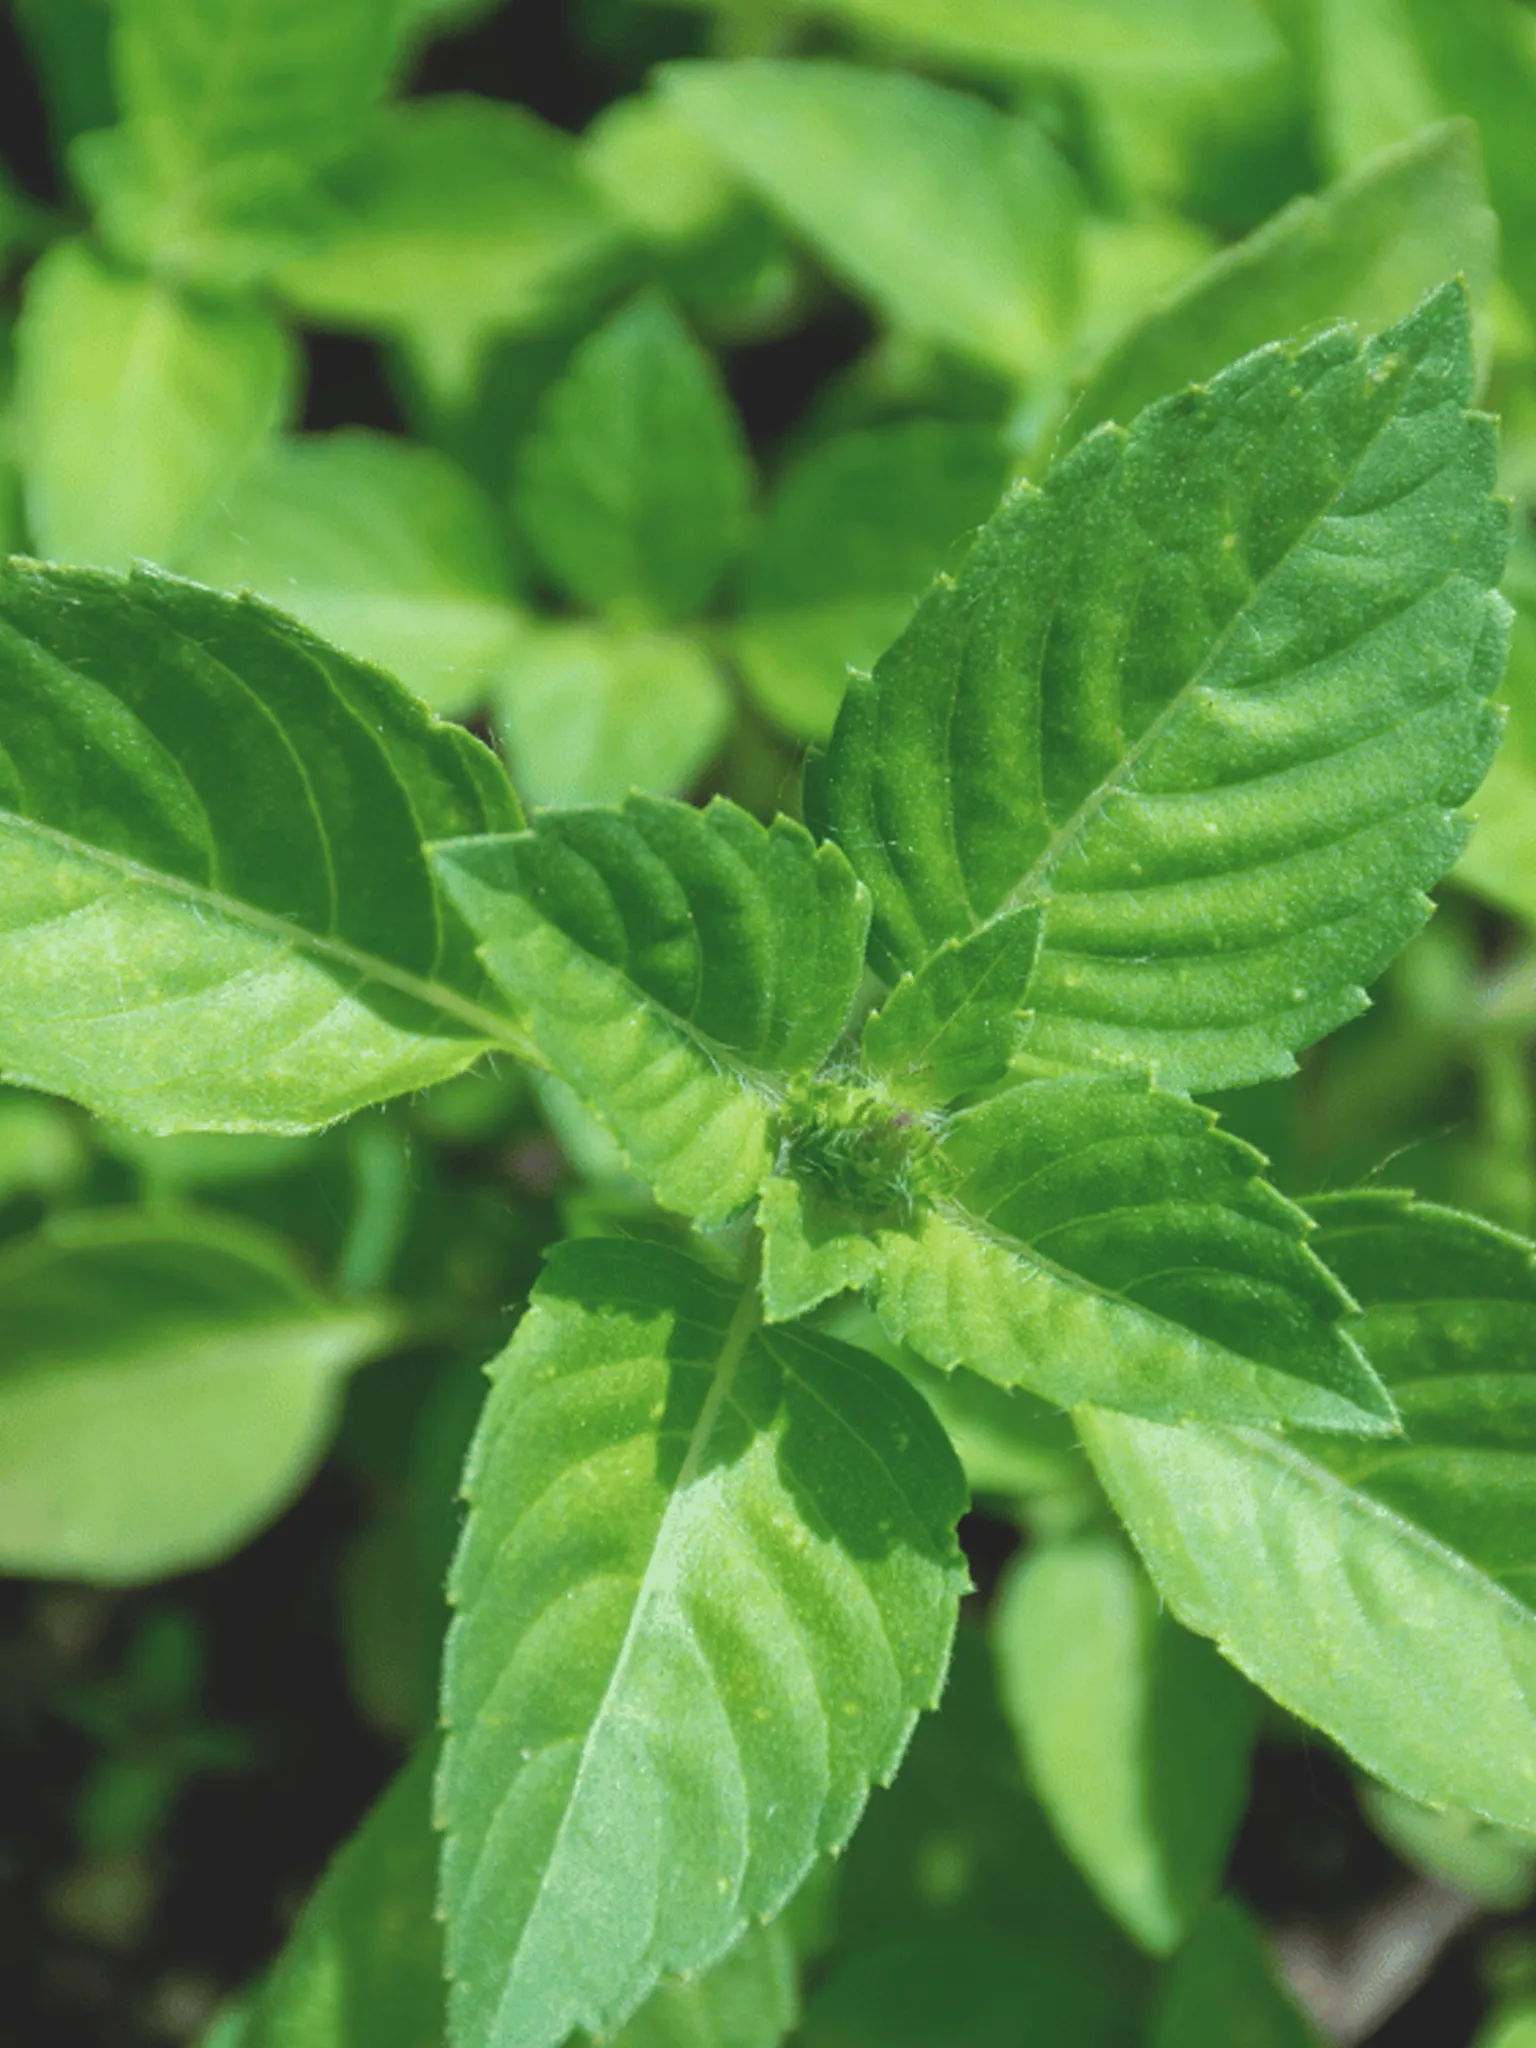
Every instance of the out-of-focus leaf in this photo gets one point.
(363, 1968)
(380, 545)
(1221, 1991)
(853, 534)
(1135, 1734)
(1494, 1865)
(587, 714)
(1367, 249)
(958, 1989)
(1500, 860)
(1175, 36)
(634, 484)
(958, 221)
(167, 1386)
(462, 218)
(136, 407)
(70, 42)
(1371, 86)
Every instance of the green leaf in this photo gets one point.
(1209, 696)
(954, 1025)
(363, 1968)
(1221, 1991)
(1450, 1324)
(1404, 1623)
(634, 484)
(169, 1384)
(205, 81)
(1481, 63)
(1105, 1242)
(1090, 36)
(671, 964)
(136, 406)
(851, 539)
(749, 1999)
(461, 218)
(1366, 250)
(379, 545)
(588, 714)
(1500, 860)
(1371, 86)
(958, 221)
(1496, 1866)
(959, 1989)
(216, 910)
(1135, 1734)
(708, 1580)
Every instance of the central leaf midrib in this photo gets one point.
(1033, 886)
(296, 937)
(746, 1318)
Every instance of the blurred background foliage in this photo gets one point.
(617, 373)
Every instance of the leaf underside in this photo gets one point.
(1210, 696)
(216, 912)
(708, 1580)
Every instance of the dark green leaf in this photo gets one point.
(1222, 1992)
(217, 912)
(708, 1580)
(959, 222)
(634, 484)
(168, 1386)
(1136, 1735)
(363, 1968)
(669, 961)
(1210, 696)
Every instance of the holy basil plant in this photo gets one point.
(1146, 793)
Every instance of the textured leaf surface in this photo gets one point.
(851, 539)
(1135, 1734)
(1210, 696)
(708, 1580)
(216, 911)
(462, 217)
(1450, 1324)
(954, 1025)
(589, 714)
(1366, 250)
(382, 546)
(634, 485)
(363, 1968)
(1405, 1627)
(167, 1387)
(958, 221)
(136, 407)
(664, 957)
(1222, 1989)
(1106, 1242)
